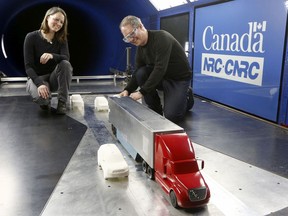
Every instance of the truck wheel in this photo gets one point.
(150, 172)
(144, 166)
(173, 199)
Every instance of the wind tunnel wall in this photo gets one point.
(95, 41)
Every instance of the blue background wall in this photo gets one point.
(95, 40)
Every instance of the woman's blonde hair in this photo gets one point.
(61, 35)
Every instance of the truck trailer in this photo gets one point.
(164, 149)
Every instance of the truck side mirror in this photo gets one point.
(200, 163)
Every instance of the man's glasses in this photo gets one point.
(130, 36)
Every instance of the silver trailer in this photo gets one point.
(136, 126)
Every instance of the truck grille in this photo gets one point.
(197, 194)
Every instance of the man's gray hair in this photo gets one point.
(130, 20)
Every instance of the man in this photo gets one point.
(161, 64)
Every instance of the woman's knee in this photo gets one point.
(65, 65)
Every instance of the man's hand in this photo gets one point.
(136, 95)
(43, 91)
(124, 93)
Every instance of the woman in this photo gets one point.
(46, 58)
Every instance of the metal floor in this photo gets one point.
(237, 188)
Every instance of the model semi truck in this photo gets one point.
(163, 148)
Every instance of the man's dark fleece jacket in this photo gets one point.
(167, 57)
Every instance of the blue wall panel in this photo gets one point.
(238, 54)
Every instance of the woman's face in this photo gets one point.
(55, 21)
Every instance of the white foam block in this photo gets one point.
(76, 97)
(112, 162)
(101, 103)
(76, 101)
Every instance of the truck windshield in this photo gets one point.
(182, 167)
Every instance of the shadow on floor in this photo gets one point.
(36, 147)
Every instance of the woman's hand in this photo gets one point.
(43, 91)
(45, 58)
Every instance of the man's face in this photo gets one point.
(133, 35)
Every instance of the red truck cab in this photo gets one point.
(176, 170)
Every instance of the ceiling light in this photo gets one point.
(165, 4)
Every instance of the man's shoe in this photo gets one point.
(190, 99)
(61, 108)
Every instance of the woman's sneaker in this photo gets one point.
(61, 108)
(45, 107)
(45, 104)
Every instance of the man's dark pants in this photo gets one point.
(174, 92)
